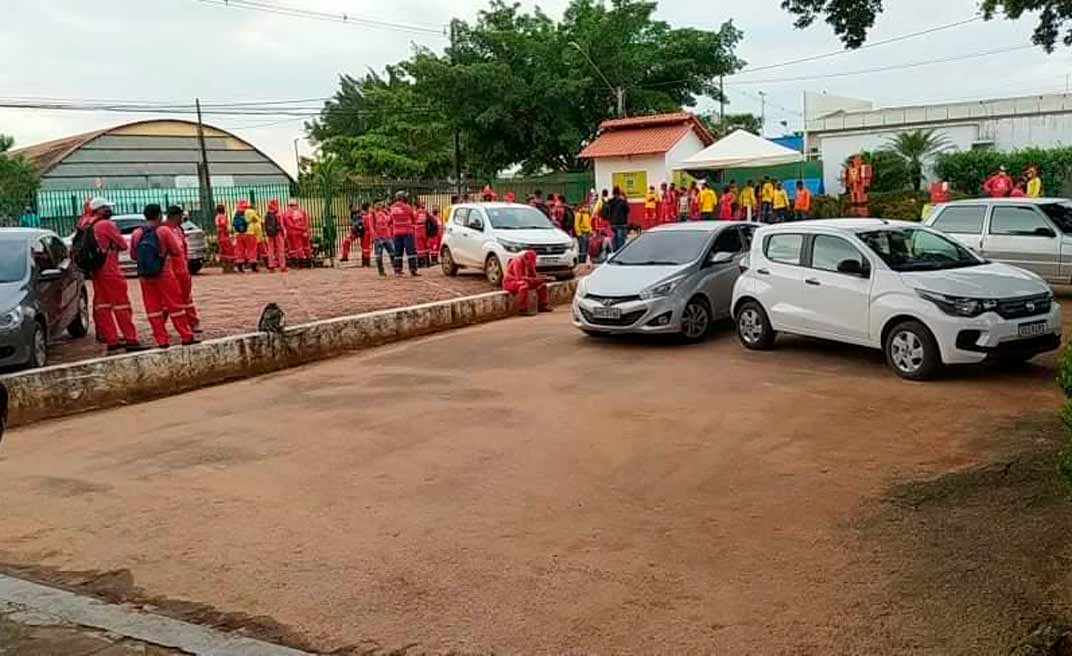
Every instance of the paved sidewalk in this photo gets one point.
(19, 638)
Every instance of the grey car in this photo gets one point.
(1031, 233)
(195, 241)
(676, 278)
(42, 295)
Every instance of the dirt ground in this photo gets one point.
(232, 304)
(518, 488)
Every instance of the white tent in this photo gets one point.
(741, 149)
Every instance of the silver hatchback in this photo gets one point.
(675, 278)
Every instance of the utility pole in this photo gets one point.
(619, 91)
(804, 104)
(297, 159)
(721, 100)
(207, 204)
(762, 112)
(457, 133)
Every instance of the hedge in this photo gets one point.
(967, 170)
(902, 205)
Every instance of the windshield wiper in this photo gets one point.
(651, 263)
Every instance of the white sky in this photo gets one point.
(175, 50)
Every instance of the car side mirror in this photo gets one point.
(853, 268)
(476, 224)
(1044, 231)
(51, 274)
(720, 257)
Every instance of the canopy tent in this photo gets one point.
(741, 149)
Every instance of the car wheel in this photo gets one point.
(754, 328)
(80, 325)
(911, 351)
(696, 320)
(38, 347)
(195, 266)
(493, 270)
(446, 261)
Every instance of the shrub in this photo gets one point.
(889, 172)
(826, 207)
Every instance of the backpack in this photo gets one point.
(271, 224)
(357, 225)
(239, 223)
(431, 226)
(87, 253)
(568, 221)
(150, 259)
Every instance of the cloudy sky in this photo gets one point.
(175, 50)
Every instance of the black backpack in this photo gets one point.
(568, 220)
(357, 224)
(239, 222)
(87, 253)
(431, 226)
(271, 224)
(150, 259)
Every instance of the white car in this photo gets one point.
(923, 298)
(487, 236)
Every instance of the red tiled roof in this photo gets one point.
(644, 135)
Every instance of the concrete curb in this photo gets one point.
(68, 389)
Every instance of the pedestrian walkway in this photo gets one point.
(29, 633)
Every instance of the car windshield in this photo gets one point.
(915, 249)
(662, 247)
(518, 218)
(1059, 213)
(12, 260)
(128, 224)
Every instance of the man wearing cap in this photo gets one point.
(160, 290)
(402, 220)
(181, 268)
(999, 184)
(111, 304)
(296, 225)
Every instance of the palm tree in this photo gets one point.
(917, 148)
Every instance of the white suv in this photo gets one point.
(920, 296)
(488, 235)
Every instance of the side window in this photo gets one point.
(828, 252)
(57, 251)
(728, 242)
(459, 216)
(784, 248)
(476, 220)
(961, 220)
(1019, 222)
(39, 250)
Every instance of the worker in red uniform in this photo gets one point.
(357, 229)
(275, 238)
(159, 288)
(224, 239)
(488, 195)
(296, 225)
(999, 184)
(111, 304)
(181, 268)
(420, 233)
(383, 237)
(521, 278)
(402, 219)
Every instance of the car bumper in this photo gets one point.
(560, 263)
(655, 316)
(15, 345)
(969, 341)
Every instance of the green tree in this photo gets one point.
(916, 149)
(851, 19)
(18, 181)
(731, 122)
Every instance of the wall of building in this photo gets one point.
(654, 166)
(688, 146)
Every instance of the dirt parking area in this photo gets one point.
(231, 304)
(517, 487)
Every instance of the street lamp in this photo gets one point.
(618, 92)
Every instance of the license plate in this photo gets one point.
(607, 313)
(1034, 329)
(546, 259)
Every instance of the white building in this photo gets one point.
(1002, 124)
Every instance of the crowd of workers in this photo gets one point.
(1000, 184)
(398, 230)
(246, 238)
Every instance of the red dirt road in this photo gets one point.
(517, 488)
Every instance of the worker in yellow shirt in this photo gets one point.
(1034, 183)
(651, 204)
(747, 201)
(780, 202)
(766, 200)
(582, 227)
(708, 201)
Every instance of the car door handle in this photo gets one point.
(763, 272)
(811, 281)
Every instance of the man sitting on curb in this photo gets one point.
(521, 278)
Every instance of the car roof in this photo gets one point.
(1006, 199)
(698, 226)
(491, 205)
(845, 224)
(10, 234)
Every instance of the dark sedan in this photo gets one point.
(42, 294)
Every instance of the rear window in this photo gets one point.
(784, 248)
(1059, 213)
(961, 220)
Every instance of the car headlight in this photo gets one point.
(12, 318)
(660, 290)
(959, 306)
(582, 287)
(511, 246)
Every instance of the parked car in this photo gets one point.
(42, 294)
(922, 297)
(487, 236)
(1033, 233)
(676, 278)
(128, 223)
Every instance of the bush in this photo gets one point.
(1064, 380)
(826, 207)
(967, 170)
(900, 205)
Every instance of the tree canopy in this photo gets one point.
(851, 19)
(519, 88)
(18, 180)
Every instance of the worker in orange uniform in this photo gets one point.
(100, 261)
(275, 238)
(224, 240)
(245, 239)
(420, 233)
(180, 266)
(651, 207)
(521, 278)
(154, 247)
(296, 225)
(802, 202)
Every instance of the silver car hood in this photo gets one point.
(623, 280)
(992, 280)
(536, 236)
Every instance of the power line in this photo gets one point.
(331, 17)
(416, 110)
